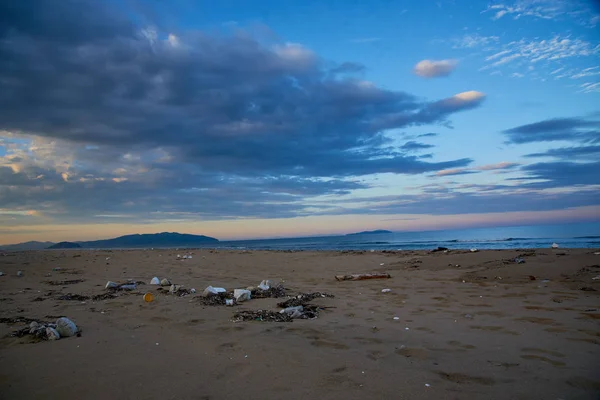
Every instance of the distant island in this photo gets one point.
(164, 239)
(65, 245)
(375, 232)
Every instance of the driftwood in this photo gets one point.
(360, 277)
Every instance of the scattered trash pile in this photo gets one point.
(217, 296)
(63, 327)
(297, 307)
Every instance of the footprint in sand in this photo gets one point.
(464, 378)
(542, 358)
(412, 352)
(330, 344)
(543, 351)
(456, 343)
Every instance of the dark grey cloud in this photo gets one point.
(446, 200)
(569, 153)
(227, 103)
(563, 173)
(132, 118)
(584, 130)
(430, 134)
(415, 146)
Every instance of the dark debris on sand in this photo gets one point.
(215, 299)
(273, 292)
(17, 320)
(103, 296)
(66, 282)
(73, 296)
(303, 299)
(262, 316)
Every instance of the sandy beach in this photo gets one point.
(468, 326)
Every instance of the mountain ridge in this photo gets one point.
(136, 240)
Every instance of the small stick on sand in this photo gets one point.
(360, 277)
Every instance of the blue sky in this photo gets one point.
(274, 118)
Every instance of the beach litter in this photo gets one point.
(555, 245)
(19, 273)
(360, 277)
(179, 290)
(386, 290)
(148, 297)
(229, 302)
(474, 250)
(520, 260)
(242, 295)
(293, 312)
(211, 291)
(63, 327)
(155, 281)
(265, 285)
(127, 286)
(165, 282)
(439, 249)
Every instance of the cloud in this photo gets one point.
(435, 69)
(557, 57)
(590, 87)
(579, 11)
(563, 173)
(493, 167)
(105, 116)
(569, 153)
(415, 146)
(583, 130)
(471, 41)
(455, 171)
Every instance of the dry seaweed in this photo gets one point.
(273, 292)
(262, 316)
(17, 320)
(103, 296)
(215, 299)
(72, 296)
(66, 282)
(303, 299)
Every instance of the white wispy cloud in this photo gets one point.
(471, 41)
(580, 11)
(590, 87)
(559, 57)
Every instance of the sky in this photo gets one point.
(251, 119)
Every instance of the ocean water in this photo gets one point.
(577, 235)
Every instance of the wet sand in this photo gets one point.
(470, 326)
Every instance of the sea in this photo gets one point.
(575, 235)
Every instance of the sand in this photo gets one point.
(469, 326)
